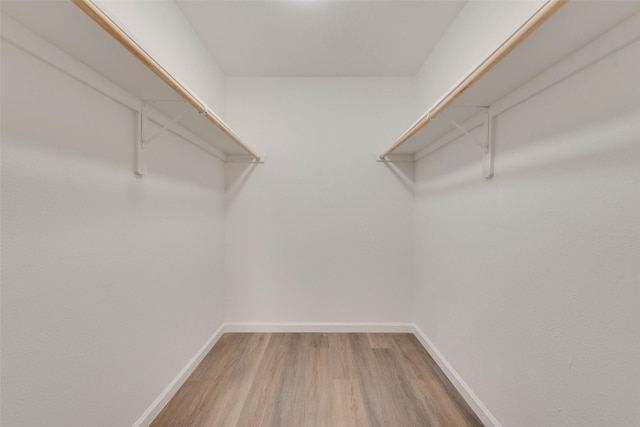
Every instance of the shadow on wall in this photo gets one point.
(456, 167)
(236, 175)
(404, 171)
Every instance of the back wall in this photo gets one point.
(321, 231)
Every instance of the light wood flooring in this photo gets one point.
(316, 379)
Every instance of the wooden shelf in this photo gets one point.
(448, 99)
(68, 28)
(64, 25)
(544, 55)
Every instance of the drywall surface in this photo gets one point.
(457, 54)
(320, 232)
(110, 282)
(163, 31)
(528, 283)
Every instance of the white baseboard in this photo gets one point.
(154, 409)
(467, 394)
(334, 327)
(344, 327)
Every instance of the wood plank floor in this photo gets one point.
(316, 379)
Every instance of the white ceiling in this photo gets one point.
(320, 37)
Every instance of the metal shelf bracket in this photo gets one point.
(243, 158)
(143, 141)
(395, 158)
(485, 142)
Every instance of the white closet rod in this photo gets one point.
(548, 9)
(94, 12)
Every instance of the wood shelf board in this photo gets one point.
(64, 25)
(572, 27)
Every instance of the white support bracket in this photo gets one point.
(395, 158)
(243, 158)
(485, 142)
(143, 141)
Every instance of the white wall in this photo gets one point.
(110, 282)
(320, 232)
(528, 283)
(164, 32)
(457, 54)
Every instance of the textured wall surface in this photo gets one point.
(110, 282)
(528, 283)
